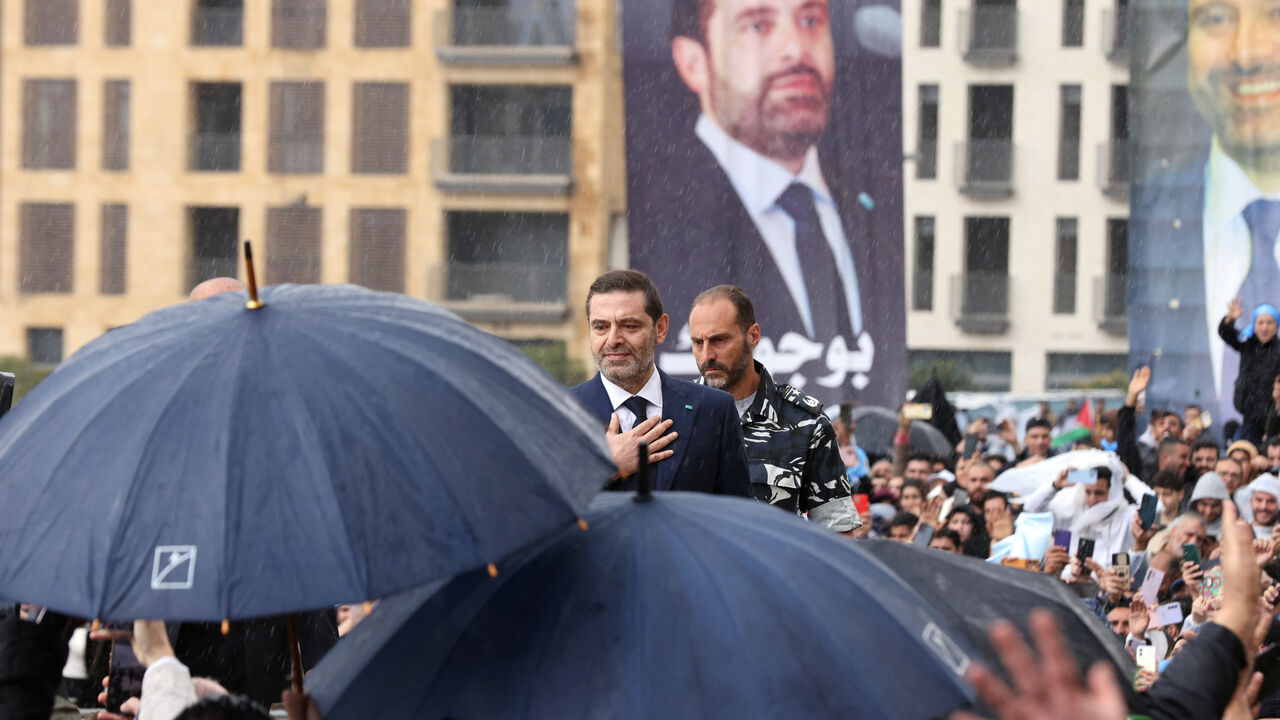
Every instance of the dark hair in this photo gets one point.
(1206, 443)
(1040, 422)
(902, 519)
(1167, 444)
(746, 312)
(1229, 428)
(948, 534)
(995, 494)
(921, 456)
(627, 281)
(224, 707)
(1194, 407)
(689, 18)
(1004, 461)
(1274, 441)
(1169, 478)
(917, 484)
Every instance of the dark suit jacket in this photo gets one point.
(698, 234)
(709, 453)
(1166, 295)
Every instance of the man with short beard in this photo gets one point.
(790, 443)
(639, 403)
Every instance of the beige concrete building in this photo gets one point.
(467, 154)
(1015, 126)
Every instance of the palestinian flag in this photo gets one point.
(1076, 428)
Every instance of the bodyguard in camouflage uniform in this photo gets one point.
(790, 444)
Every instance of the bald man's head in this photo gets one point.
(214, 286)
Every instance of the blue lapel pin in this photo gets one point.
(688, 407)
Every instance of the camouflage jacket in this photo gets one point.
(792, 455)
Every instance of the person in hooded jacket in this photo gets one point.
(1206, 501)
(1098, 511)
(1259, 365)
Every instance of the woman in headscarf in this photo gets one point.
(1259, 364)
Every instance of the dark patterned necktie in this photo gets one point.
(638, 407)
(817, 264)
(1262, 284)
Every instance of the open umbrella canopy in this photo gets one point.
(684, 605)
(878, 425)
(969, 594)
(212, 461)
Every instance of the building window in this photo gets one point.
(112, 250)
(1117, 278)
(927, 146)
(293, 244)
(1064, 276)
(511, 129)
(215, 235)
(508, 256)
(115, 125)
(52, 22)
(930, 23)
(988, 158)
(1072, 23)
(377, 248)
(981, 293)
(49, 124)
(218, 23)
(44, 346)
(486, 23)
(1070, 371)
(1069, 134)
(383, 23)
(117, 26)
(992, 36)
(298, 24)
(215, 146)
(922, 280)
(380, 128)
(297, 128)
(47, 256)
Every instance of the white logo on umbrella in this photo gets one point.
(174, 567)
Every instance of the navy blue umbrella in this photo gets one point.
(212, 461)
(685, 605)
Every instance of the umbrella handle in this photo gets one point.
(295, 651)
(254, 303)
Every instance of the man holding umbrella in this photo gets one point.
(703, 452)
(790, 443)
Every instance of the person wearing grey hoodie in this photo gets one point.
(1206, 501)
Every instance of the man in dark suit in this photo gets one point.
(1204, 228)
(750, 182)
(703, 451)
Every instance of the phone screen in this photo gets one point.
(1147, 511)
(1084, 549)
(1083, 477)
(125, 678)
(1191, 553)
(970, 444)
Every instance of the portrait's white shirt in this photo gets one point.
(759, 181)
(652, 391)
(1228, 246)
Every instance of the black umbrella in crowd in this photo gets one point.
(969, 594)
(878, 425)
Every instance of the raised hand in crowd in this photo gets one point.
(625, 446)
(1192, 574)
(1264, 551)
(1141, 378)
(932, 513)
(1235, 310)
(1050, 689)
(1145, 679)
(1142, 536)
(1055, 560)
(1202, 609)
(1139, 617)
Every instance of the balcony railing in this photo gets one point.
(984, 168)
(500, 291)
(1109, 303)
(215, 152)
(989, 35)
(217, 26)
(980, 302)
(1113, 168)
(506, 35)
(1115, 35)
(927, 160)
(498, 163)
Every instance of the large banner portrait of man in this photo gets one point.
(1205, 202)
(764, 150)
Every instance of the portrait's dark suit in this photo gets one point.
(1166, 299)
(709, 455)
(697, 234)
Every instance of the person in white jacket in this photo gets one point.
(1098, 511)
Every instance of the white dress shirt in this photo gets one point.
(652, 391)
(1228, 247)
(759, 182)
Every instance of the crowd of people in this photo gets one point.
(1167, 536)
